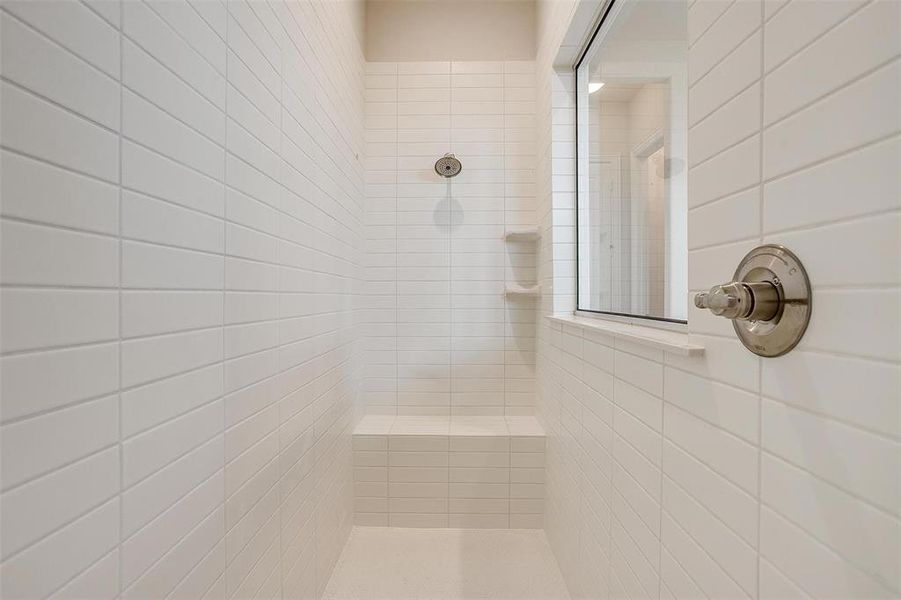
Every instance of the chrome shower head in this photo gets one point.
(448, 166)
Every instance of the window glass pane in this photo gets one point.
(632, 179)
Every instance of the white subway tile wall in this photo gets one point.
(202, 223)
(182, 222)
(440, 338)
(729, 475)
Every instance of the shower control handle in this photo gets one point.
(747, 301)
(768, 300)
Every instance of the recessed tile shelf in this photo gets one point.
(675, 342)
(466, 472)
(526, 234)
(521, 290)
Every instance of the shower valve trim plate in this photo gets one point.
(769, 300)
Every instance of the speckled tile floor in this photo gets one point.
(446, 564)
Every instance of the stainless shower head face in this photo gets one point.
(448, 166)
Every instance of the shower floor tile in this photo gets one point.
(447, 564)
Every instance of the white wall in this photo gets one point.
(730, 475)
(437, 30)
(181, 221)
(441, 338)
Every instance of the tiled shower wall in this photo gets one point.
(729, 475)
(181, 220)
(440, 337)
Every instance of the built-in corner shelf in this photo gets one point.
(522, 234)
(516, 290)
(521, 290)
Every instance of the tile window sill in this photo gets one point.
(674, 342)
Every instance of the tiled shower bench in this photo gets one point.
(466, 472)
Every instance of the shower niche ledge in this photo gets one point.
(521, 290)
(522, 234)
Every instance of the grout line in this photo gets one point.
(863, 570)
(761, 219)
(98, 14)
(819, 162)
(731, 146)
(224, 217)
(37, 350)
(49, 162)
(712, 111)
(193, 569)
(68, 110)
(46, 37)
(396, 286)
(195, 526)
(34, 478)
(47, 411)
(173, 418)
(711, 513)
(834, 222)
(797, 52)
(663, 405)
(179, 35)
(156, 59)
(777, 11)
(279, 404)
(712, 23)
(158, 469)
(162, 511)
(626, 562)
(108, 237)
(70, 580)
(868, 502)
(883, 435)
(860, 76)
(706, 552)
(804, 594)
(209, 25)
(121, 420)
(723, 58)
(505, 255)
(685, 571)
